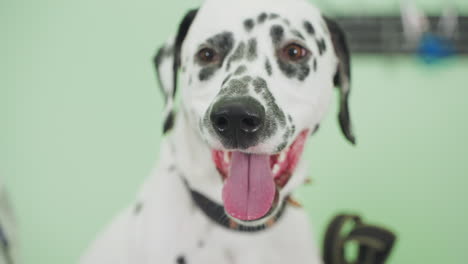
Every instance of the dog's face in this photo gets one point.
(257, 79)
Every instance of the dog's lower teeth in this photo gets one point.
(282, 156)
(276, 169)
(226, 157)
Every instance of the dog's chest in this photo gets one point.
(195, 239)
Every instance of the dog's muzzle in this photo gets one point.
(238, 121)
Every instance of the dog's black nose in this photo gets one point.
(238, 120)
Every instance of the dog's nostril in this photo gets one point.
(250, 124)
(221, 123)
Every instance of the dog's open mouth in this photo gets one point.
(251, 181)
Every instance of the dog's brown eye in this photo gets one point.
(294, 52)
(207, 55)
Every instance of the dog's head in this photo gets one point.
(257, 79)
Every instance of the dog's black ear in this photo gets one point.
(167, 63)
(342, 78)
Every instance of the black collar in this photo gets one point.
(215, 212)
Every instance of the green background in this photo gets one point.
(80, 127)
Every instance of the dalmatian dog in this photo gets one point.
(255, 78)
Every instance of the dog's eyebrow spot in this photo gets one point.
(297, 34)
(321, 46)
(252, 49)
(181, 260)
(262, 17)
(309, 28)
(240, 70)
(223, 43)
(268, 67)
(249, 24)
(277, 33)
(237, 55)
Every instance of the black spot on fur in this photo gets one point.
(181, 260)
(200, 244)
(262, 17)
(252, 49)
(207, 72)
(223, 42)
(297, 34)
(277, 34)
(299, 70)
(240, 70)
(138, 208)
(168, 122)
(268, 67)
(259, 85)
(246, 79)
(309, 28)
(171, 168)
(287, 134)
(321, 46)
(281, 146)
(249, 24)
(273, 16)
(163, 52)
(290, 118)
(235, 87)
(315, 65)
(316, 129)
(273, 112)
(237, 55)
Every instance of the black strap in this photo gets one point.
(217, 214)
(375, 243)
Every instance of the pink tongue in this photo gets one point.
(249, 190)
